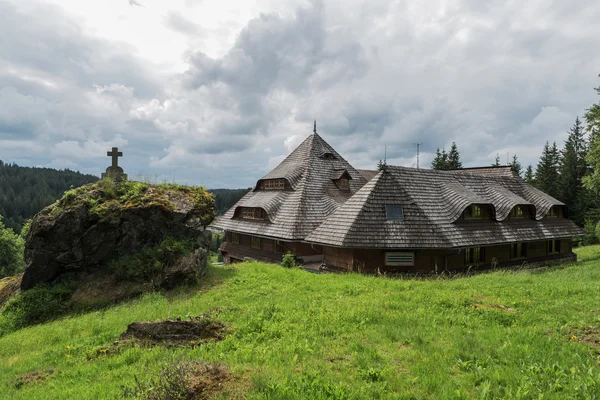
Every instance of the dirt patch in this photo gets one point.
(174, 333)
(9, 287)
(589, 335)
(32, 377)
(186, 380)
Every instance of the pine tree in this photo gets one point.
(546, 173)
(572, 170)
(453, 158)
(515, 165)
(529, 175)
(592, 120)
(440, 162)
(381, 165)
(497, 162)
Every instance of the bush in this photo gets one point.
(42, 303)
(591, 232)
(145, 264)
(12, 247)
(288, 260)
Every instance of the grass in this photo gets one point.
(297, 335)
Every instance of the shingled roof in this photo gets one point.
(310, 195)
(432, 202)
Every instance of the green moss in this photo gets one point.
(106, 198)
(145, 264)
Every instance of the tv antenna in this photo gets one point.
(418, 152)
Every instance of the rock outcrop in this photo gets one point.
(92, 226)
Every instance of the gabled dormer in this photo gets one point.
(341, 178)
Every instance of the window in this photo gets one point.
(273, 184)
(279, 247)
(518, 250)
(474, 255)
(235, 238)
(553, 212)
(253, 213)
(473, 212)
(400, 259)
(394, 212)
(517, 212)
(328, 156)
(342, 183)
(553, 246)
(255, 242)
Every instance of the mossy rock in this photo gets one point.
(93, 225)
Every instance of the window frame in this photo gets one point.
(256, 213)
(400, 217)
(471, 215)
(273, 184)
(235, 238)
(521, 251)
(255, 243)
(517, 212)
(553, 212)
(553, 246)
(474, 255)
(399, 253)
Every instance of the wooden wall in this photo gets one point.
(370, 260)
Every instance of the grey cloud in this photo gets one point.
(177, 22)
(492, 76)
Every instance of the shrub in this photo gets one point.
(288, 260)
(12, 247)
(42, 303)
(145, 264)
(591, 232)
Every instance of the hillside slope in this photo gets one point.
(296, 335)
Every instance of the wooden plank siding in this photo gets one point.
(268, 251)
(372, 260)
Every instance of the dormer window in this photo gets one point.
(273, 184)
(253, 213)
(328, 156)
(343, 183)
(341, 178)
(554, 212)
(517, 212)
(473, 212)
(394, 212)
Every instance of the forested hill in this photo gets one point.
(25, 190)
(225, 198)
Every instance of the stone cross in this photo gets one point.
(115, 172)
(115, 153)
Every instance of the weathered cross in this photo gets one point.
(115, 153)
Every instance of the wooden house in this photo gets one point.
(288, 203)
(317, 206)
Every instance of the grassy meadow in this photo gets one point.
(296, 335)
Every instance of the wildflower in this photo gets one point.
(68, 347)
(573, 337)
(67, 356)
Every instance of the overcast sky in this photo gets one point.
(218, 92)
